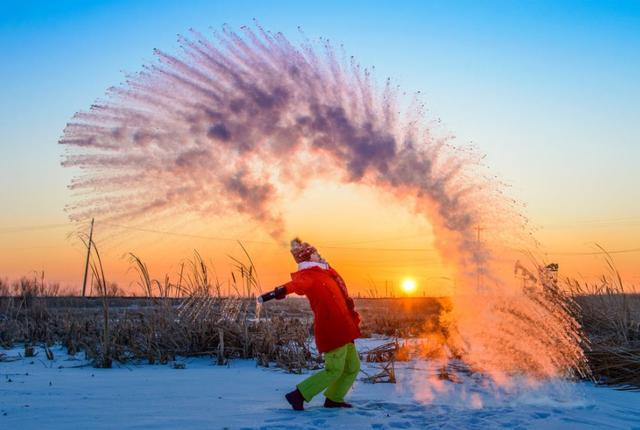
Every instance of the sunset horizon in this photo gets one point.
(247, 214)
(543, 157)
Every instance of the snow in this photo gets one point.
(36, 394)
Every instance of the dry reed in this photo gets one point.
(609, 313)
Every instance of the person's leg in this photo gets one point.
(334, 363)
(339, 388)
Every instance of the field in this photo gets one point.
(223, 362)
(157, 330)
(67, 392)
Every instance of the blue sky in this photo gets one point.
(549, 90)
(553, 83)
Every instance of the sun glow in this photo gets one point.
(409, 285)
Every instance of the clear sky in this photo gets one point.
(548, 90)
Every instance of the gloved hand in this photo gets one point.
(279, 293)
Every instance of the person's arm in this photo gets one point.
(299, 285)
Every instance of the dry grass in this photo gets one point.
(157, 328)
(610, 316)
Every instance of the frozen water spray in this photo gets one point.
(231, 120)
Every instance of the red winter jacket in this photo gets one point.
(335, 319)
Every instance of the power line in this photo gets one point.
(362, 248)
(619, 251)
(578, 223)
(26, 248)
(32, 228)
(148, 230)
(413, 236)
(353, 248)
(568, 224)
(194, 236)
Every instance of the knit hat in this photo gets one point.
(301, 251)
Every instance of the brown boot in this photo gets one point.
(328, 403)
(296, 400)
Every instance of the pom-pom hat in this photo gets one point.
(302, 251)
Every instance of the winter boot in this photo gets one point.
(295, 399)
(328, 403)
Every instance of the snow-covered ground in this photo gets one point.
(40, 394)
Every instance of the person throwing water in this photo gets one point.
(336, 326)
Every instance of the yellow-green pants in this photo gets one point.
(341, 367)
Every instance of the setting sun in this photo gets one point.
(408, 285)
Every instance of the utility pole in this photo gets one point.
(478, 230)
(86, 264)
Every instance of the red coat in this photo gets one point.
(335, 319)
